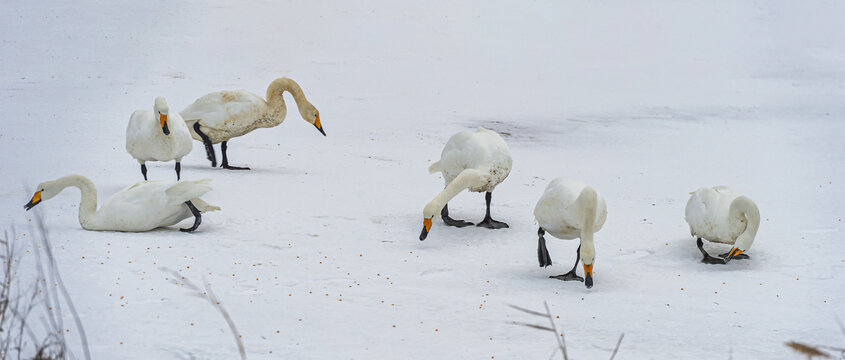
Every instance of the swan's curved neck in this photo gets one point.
(744, 208)
(277, 89)
(588, 204)
(463, 181)
(88, 202)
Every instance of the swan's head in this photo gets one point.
(46, 191)
(429, 214)
(311, 115)
(161, 111)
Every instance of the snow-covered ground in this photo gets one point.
(315, 253)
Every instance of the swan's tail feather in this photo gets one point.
(203, 206)
(187, 190)
(434, 168)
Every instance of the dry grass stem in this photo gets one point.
(209, 296)
(559, 336)
(807, 350)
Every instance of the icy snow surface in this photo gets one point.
(315, 253)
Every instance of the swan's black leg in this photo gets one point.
(542, 251)
(209, 148)
(178, 171)
(571, 275)
(444, 214)
(488, 221)
(225, 164)
(144, 171)
(735, 257)
(197, 217)
(707, 258)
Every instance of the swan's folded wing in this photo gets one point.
(186, 190)
(218, 109)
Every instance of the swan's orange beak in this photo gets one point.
(319, 126)
(163, 120)
(588, 275)
(426, 229)
(35, 200)
(731, 254)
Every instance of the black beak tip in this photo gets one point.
(588, 281)
(322, 131)
(28, 206)
(423, 234)
(166, 130)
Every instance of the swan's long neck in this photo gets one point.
(277, 89)
(588, 204)
(743, 208)
(461, 182)
(88, 203)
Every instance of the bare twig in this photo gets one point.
(31, 315)
(209, 296)
(619, 342)
(561, 340)
(538, 327)
(57, 279)
(532, 312)
(559, 336)
(806, 350)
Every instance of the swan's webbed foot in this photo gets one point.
(197, 217)
(488, 221)
(708, 259)
(225, 163)
(209, 148)
(542, 251)
(144, 171)
(178, 171)
(444, 214)
(570, 276)
(736, 257)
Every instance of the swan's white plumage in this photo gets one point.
(559, 213)
(140, 207)
(145, 140)
(723, 215)
(223, 115)
(479, 149)
(477, 160)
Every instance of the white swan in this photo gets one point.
(477, 160)
(141, 207)
(721, 214)
(153, 136)
(570, 209)
(220, 116)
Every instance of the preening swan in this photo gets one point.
(721, 214)
(220, 116)
(141, 207)
(477, 160)
(570, 209)
(153, 136)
